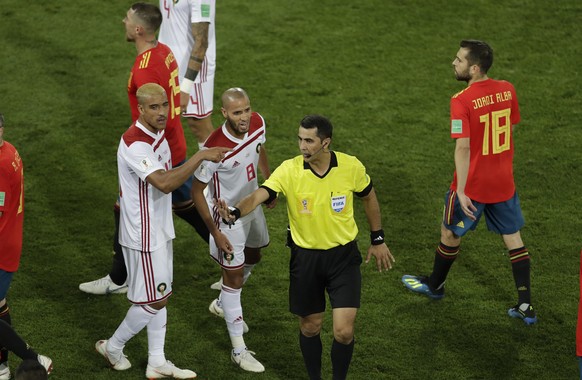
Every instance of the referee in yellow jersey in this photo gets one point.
(320, 185)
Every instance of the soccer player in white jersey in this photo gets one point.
(188, 29)
(146, 230)
(233, 178)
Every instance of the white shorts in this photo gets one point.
(149, 274)
(201, 98)
(250, 231)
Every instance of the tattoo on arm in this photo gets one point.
(191, 74)
(196, 59)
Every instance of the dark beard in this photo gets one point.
(232, 126)
(464, 77)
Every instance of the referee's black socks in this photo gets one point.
(311, 349)
(341, 357)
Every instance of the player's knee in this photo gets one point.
(449, 237)
(344, 334)
(310, 327)
(233, 278)
(252, 256)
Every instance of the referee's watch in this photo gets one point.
(232, 211)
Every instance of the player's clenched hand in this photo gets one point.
(184, 97)
(215, 154)
(223, 243)
(384, 258)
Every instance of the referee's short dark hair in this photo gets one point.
(322, 123)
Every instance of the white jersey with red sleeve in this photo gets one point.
(176, 32)
(235, 176)
(146, 213)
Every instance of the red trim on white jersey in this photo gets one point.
(241, 147)
(135, 134)
(145, 215)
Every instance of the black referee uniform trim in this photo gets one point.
(366, 191)
(272, 194)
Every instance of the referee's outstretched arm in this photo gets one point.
(244, 207)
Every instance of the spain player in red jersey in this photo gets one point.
(482, 120)
(11, 232)
(155, 63)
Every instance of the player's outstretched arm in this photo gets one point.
(378, 248)
(168, 181)
(244, 207)
(266, 172)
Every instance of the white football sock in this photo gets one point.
(230, 299)
(137, 317)
(156, 338)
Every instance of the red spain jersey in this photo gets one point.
(485, 112)
(158, 65)
(11, 206)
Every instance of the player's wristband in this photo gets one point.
(186, 85)
(377, 237)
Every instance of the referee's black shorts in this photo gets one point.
(312, 272)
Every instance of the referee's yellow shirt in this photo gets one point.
(320, 209)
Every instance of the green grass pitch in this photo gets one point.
(381, 70)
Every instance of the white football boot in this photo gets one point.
(103, 286)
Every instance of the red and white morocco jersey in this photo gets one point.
(146, 213)
(235, 176)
